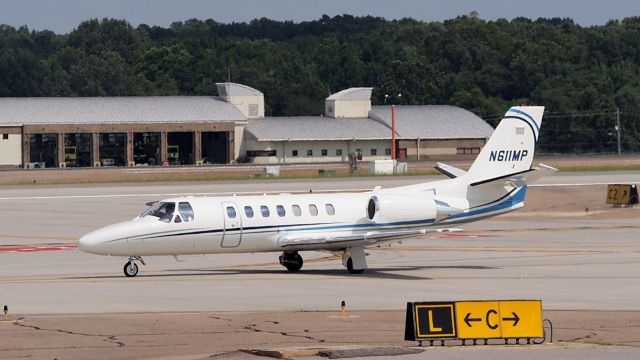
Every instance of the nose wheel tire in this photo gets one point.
(130, 269)
(350, 268)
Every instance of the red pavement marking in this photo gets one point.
(15, 249)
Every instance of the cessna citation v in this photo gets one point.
(495, 184)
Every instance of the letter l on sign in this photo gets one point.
(431, 324)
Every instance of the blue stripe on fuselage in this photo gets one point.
(507, 203)
(517, 198)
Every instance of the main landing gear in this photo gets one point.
(131, 268)
(291, 260)
(354, 260)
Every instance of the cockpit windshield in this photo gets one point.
(161, 210)
(164, 211)
(186, 211)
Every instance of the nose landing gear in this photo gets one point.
(291, 260)
(131, 268)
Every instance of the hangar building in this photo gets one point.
(126, 131)
(351, 124)
(230, 127)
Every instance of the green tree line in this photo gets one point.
(581, 74)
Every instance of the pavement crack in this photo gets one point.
(299, 336)
(112, 339)
(582, 338)
(219, 318)
(108, 338)
(253, 327)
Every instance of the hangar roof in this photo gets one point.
(412, 122)
(232, 89)
(433, 122)
(355, 93)
(116, 110)
(316, 128)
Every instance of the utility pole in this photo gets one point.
(618, 130)
(393, 132)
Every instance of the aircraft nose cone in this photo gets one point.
(89, 243)
(103, 241)
(85, 243)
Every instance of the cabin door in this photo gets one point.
(232, 233)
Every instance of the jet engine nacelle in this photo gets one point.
(393, 208)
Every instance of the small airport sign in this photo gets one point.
(499, 319)
(622, 194)
(474, 320)
(430, 320)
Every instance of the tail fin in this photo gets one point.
(511, 148)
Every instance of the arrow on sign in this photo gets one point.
(515, 319)
(468, 319)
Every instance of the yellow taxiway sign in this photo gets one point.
(499, 319)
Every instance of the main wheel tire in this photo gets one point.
(130, 269)
(350, 268)
(295, 264)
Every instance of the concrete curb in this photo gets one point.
(334, 353)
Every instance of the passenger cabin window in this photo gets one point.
(231, 212)
(162, 210)
(186, 211)
(248, 210)
(330, 209)
(313, 210)
(296, 210)
(280, 210)
(264, 210)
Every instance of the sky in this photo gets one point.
(62, 16)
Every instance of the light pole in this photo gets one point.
(393, 123)
(393, 132)
(618, 130)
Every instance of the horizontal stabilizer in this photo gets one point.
(538, 172)
(448, 170)
(521, 178)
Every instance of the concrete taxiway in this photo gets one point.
(565, 247)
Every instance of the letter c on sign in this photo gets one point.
(489, 324)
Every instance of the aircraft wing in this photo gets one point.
(318, 241)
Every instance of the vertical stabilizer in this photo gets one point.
(511, 147)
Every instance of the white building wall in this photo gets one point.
(10, 149)
(347, 108)
(285, 151)
(251, 106)
(239, 142)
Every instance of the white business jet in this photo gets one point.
(495, 184)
